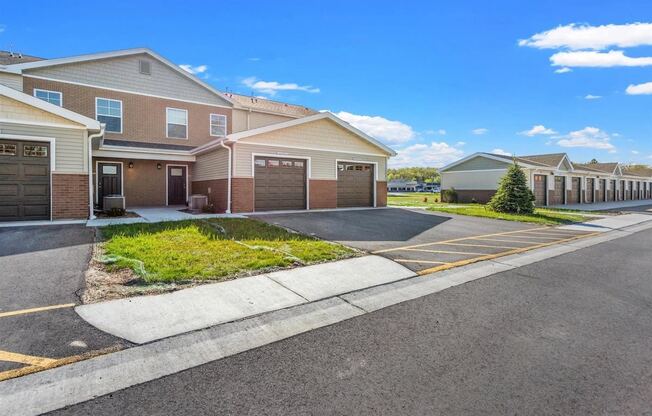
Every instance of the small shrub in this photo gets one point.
(513, 195)
(208, 208)
(425, 199)
(115, 212)
(449, 195)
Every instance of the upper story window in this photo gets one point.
(53, 97)
(218, 125)
(109, 112)
(177, 123)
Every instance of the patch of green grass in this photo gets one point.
(540, 216)
(210, 249)
(413, 199)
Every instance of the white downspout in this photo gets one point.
(91, 216)
(228, 185)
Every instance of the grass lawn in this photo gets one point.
(541, 215)
(210, 249)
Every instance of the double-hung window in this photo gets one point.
(177, 123)
(109, 112)
(218, 125)
(53, 97)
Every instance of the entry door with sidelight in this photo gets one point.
(177, 185)
(109, 180)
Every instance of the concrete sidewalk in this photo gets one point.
(609, 223)
(603, 206)
(148, 318)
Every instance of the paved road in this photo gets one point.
(569, 335)
(40, 267)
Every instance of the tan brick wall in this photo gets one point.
(69, 196)
(242, 194)
(216, 190)
(323, 194)
(381, 194)
(143, 117)
(144, 184)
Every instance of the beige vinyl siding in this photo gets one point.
(479, 163)
(70, 144)
(472, 180)
(124, 73)
(19, 112)
(213, 165)
(323, 163)
(11, 80)
(256, 119)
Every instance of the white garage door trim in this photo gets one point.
(364, 162)
(285, 155)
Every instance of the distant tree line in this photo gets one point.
(414, 174)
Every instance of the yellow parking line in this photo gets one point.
(474, 245)
(25, 359)
(501, 254)
(32, 310)
(535, 237)
(448, 241)
(422, 250)
(549, 233)
(420, 261)
(502, 240)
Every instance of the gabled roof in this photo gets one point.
(637, 170)
(11, 58)
(18, 68)
(309, 119)
(552, 159)
(501, 158)
(609, 168)
(87, 122)
(265, 105)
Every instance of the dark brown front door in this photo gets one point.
(576, 194)
(355, 184)
(590, 190)
(24, 180)
(109, 180)
(177, 185)
(279, 183)
(560, 190)
(540, 188)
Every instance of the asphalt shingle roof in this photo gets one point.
(263, 104)
(10, 58)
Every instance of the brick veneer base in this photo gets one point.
(381, 194)
(69, 196)
(323, 194)
(218, 192)
(242, 194)
(478, 195)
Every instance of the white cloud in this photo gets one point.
(434, 154)
(273, 87)
(460, 144)
(538, 129)
(592, 97)
(588, 137)
(639, 89)
(432, 132)
(575, 37)
(253, 59)
(635, 152)
(3, 28)
(390, 131)
(595, 59)
(199, 69)
(563, 70)
(479, 131)
(498, 151)
(441, 132)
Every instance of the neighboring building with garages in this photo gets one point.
(133, 125)
(553, 178)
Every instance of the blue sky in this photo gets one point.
(434, 80)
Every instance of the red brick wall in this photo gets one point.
(218, 192)
(323, 194)
(381, 194)
(242, 194)
(69, 196)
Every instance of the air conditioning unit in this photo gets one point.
(113, 201)
(198, 202)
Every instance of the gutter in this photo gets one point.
(91, 215)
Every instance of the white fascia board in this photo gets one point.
(561, 162)
(114, 54)
(137, 153)
(210, 146)
(310, 119)
(89, 123)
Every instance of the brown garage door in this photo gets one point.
(601, 191)
(576, 197)
(24, 180)
(279, 183)
(622, 190)
(540, 190)
(590, 190)
(612, 191)
(355, 185)
(560, 189)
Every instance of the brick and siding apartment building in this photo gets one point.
(133, 124)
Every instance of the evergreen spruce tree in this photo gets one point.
(513, 194)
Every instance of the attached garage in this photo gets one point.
(602, 190)
(279, 183)
(576, 191)
(560, 189)
(24, 180)
(612, 191)
(590, 190)
(355, 184)
(540, 189)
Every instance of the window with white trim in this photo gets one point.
(109, 112)
(218, 125)
(177, 123)
(53, 97)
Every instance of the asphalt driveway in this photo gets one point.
(421, 240)
(42, 276)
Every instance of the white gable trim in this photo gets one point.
(561, 162)
(89, 123)
(18, 68)
(486, 156)
(310, 119)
